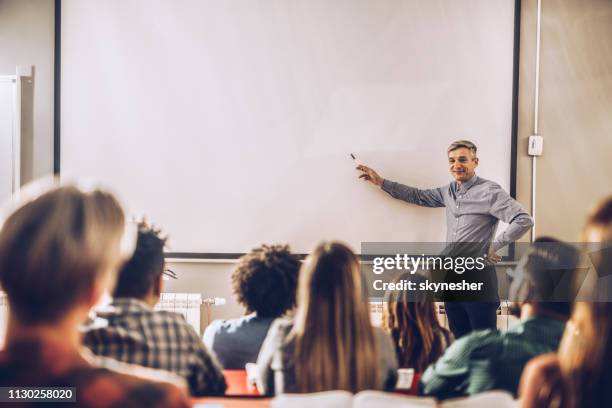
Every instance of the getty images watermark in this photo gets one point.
(463, 272)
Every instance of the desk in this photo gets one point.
(229, 402)
(239, 393)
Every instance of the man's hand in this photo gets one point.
(369, 175)
(493, 257)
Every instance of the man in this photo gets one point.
(489, 359)
(265, 283)
(474, 207)
(132, 332)
(59, 252)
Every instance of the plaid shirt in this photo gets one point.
(37, 363)
(132, 332)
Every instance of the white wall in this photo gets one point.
(575, 112)
(27, 38)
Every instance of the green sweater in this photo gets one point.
(490, 359)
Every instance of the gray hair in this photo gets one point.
(463, 143)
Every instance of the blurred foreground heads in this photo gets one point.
(59, 252)
(579, 374)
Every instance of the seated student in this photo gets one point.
(132, 332)
(410, 318)
(58, 253)
(330, 344)
(490, 359)
(265, 283)
(579, 374)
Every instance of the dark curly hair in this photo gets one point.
(265, 281)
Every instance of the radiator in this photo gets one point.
(187, 304)
(504, 319)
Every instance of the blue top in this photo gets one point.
(237, 341)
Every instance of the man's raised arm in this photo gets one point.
(424, 198)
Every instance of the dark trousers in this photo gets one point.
(464, 317)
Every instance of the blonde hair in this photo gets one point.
(584, 355)
(586, 347)
(335, 347)
(54, 247)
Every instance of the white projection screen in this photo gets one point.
(229, 123)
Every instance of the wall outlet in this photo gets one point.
(536, 145)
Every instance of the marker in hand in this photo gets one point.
(367, 173)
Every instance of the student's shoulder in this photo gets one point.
(279, 330)
(477, 343)
(233, 326)
(546, 365)
(172, 322)
(111, 367)
(130, 310)
(230, 325)
(128, 386)
(166, 316)
(486, 336)
(217, 326)
(281, 325)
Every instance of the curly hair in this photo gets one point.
(265, 281)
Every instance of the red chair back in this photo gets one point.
(237, 384)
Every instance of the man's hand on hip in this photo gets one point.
(369, 175)
(493, 257)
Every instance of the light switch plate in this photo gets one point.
(536, 145)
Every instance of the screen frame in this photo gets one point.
(232, 256)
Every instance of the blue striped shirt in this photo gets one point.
(473, 210)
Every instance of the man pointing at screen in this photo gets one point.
(474, 206)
